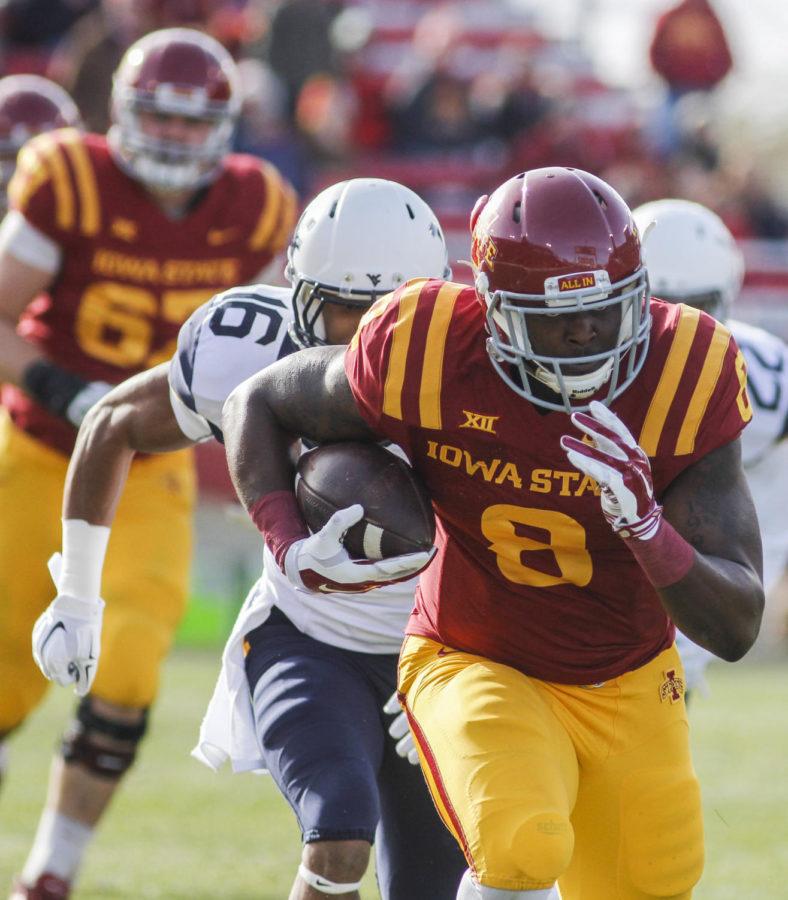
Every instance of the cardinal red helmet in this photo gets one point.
(29, 105)
(177, 73)
(558, 241)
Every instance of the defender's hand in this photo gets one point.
(620, 467)
(320, 562)
(67, 639)
(400, 731)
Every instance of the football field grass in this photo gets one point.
(178, 831)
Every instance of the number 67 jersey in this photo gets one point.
(128, 275)
(528, 572)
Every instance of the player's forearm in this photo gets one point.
(257, 449)
(718, 604)
(304, 395)
(255, 442)
(136, 417)
(718, 601)
(98, 469)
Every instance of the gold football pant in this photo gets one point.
(145, 579)
(593, 786)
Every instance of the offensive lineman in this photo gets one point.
(304, 677)
(111, 243)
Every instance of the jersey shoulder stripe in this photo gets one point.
(86, 182)
(431, 387)
(699, 358)
(704, 388)
(61, 160)
(278, 211)
(407, 332)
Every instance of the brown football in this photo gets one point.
(398, 516)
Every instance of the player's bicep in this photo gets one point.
(308, 395)
(323, 407)
(710, 504)
(138, 415)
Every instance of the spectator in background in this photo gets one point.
(88, 56)
(265, 129)
(325, 115)
(29, 29)
(439, 117)
(690, 51)
(299, 43)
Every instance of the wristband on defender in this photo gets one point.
(280, 522)
(51, 386)
(665, 558)
(84, 548)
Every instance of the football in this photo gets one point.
(398, 516)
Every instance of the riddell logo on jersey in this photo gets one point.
(479, 422)
(218, 236)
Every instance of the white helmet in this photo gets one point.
(690, 255)
(356, 241)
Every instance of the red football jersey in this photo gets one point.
(130, 276)
(528, 572)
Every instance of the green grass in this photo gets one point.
(178, 831)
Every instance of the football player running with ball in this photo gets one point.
(581, 447)
(305, 676)
(692, 258)
(110, 244)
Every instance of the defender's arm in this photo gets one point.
(135, 417)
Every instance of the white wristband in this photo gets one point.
(84, 547)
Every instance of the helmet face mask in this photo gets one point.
(556, 243)
(510, 321)
(177, 74)
(356, 241)
(309, 302)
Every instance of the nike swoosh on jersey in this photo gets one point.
(327, 589)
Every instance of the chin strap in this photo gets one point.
(578, 387)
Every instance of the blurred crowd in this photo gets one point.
(448, 97)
